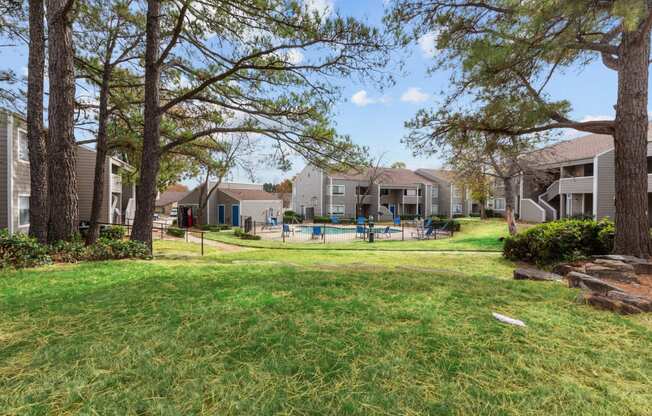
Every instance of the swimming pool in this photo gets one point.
(330, 230)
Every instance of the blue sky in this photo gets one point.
(375, 118)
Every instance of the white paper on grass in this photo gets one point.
(508, 320)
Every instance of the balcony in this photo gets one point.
(410, 199)
(116, 183)
(576, 185)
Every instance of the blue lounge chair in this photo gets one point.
(361, 220)
(360, 231)
(334, 220)
(287, 230)
(429, 234)
(397, 220)
(387, 232)
(428, 223)
(316, 231)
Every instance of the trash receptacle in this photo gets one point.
(371, 232)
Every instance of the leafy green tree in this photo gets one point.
(519, 46)
(260, 68)
(398, 165)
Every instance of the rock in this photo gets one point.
(563, 269)
(535, 274)
(590, 283)
(641, 266)
(605, 272)
(508, 320)
(639, 302)
(615, 265)
(608, 303)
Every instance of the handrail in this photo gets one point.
(553, 209)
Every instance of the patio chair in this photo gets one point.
(360, 231)
(419, 234)
(444, 230)
(397, 220)
(316, 232)
(386, 233)
(427, 223)
(287, 230)
(334, 220)
(361, 220)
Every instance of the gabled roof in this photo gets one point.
(583, 147)
(388, 176)
(440, 174)
(169, 197)
(249, 194)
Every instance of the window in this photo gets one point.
(362, 190)
(23, 210)
(384, 191)
(337, 189)
(456, 192)
(337, 210)
(435, 192)
(499, 204)
(458, 208)
(410, 192)
(434, 209)
(23, 148)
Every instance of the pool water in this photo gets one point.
(341, 230)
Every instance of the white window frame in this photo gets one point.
(496, 204)
(20, 224)
(334, 211)
(434, 209)
(435, 192)
(22, 136)
(410, 192)
(333, 187)
(458, 208)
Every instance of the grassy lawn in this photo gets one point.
(474, 235)
(322, 332)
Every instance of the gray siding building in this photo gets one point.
(572, 178)
(229, 204)
(381, 193)
(119, 194)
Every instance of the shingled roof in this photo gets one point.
(388, 176)
(249, 194)
(441, 174)
(168, 197)
(583, 147)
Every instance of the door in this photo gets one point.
(392, 209)
(220, 214)
(235, 215)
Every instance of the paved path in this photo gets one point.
(216, 244)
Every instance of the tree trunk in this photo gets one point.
(509, 206)
(483, 211)
(100, 160)
(62, 175)
(150, 159)
(36, 139)
(630, 143)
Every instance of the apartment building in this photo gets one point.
(119, 194)
(381, 193)
(570, 178)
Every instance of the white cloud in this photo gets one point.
(294, 56)
(362, 99)
(428, 45)
(414, 95)
(323, 7)
(596, 118)
(25, 71)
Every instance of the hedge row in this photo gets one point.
(562, 240)
(19, 250)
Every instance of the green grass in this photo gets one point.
(320, 332)
(474, 235)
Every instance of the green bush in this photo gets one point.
(19, 250)
(112, 232)
(68, 251)
(106, 249)
(176, 232)
(237, 231)
(562, 240)
(321, 219)
(450, 225)
(215, 227)
(458, 215)
(408, 217)
(246, 236)
(290, 217)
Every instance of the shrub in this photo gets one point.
(237, 231)
(215, 227)
(321, 219)
(490, 213)
(408, 217)
(106, 249)
(561, 240)
(112, 232)
(176, 232)
(67, 251)
(458, 215)
(451, 225)
(246, 236)
(19, 250)
(292, 217)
